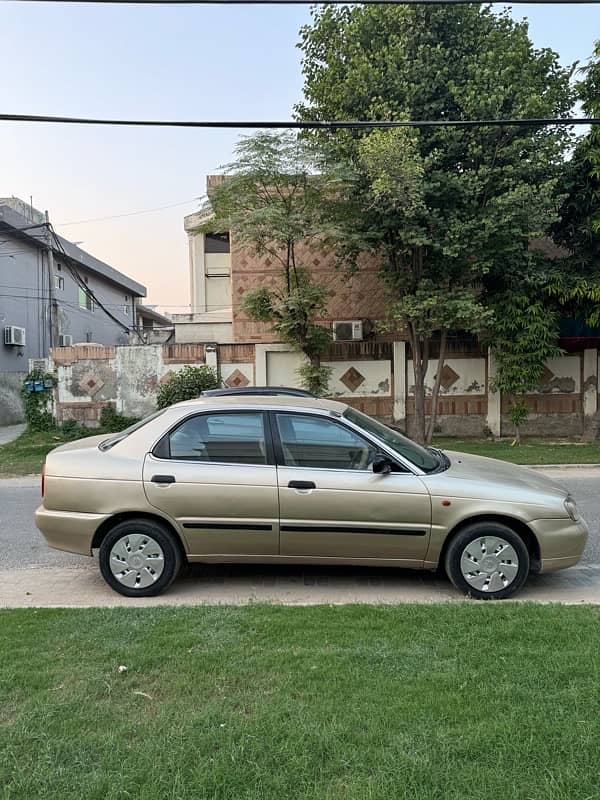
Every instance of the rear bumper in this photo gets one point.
(69, 530)
(561, 541)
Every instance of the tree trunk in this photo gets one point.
(436, 388)
(517, 439)
(419, 370)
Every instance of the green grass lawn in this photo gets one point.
(271, 703)
(530, 451)
(25, 455)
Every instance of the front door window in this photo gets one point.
(319, 443)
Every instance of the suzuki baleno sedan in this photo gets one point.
(304, 481)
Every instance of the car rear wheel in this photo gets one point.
(139, 558)
(488, 561)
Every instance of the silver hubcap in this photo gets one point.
(137, 561)
(489, 564)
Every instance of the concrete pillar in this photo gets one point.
(399, 409)
(197, 271)
(211, 357)
(590, 382)
(494, 412)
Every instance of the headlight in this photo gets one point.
(571, 509)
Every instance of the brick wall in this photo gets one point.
(363, 291)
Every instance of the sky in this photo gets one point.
(178, 62)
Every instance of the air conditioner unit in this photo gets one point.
(348, 330)
(65, 340)
(14, 335)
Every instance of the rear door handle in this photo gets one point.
(163, 479)
(301, 485)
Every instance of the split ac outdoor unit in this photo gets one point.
(348, 331)
(65, 340)
(14, 335)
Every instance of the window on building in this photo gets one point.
(216, 243)
(85, 301)
(59, 282)
(126, 309)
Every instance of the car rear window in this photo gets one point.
(121, 435)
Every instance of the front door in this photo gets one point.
(216, 476)
(332, 505)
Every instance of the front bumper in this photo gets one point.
(69, 530)
(561, 541)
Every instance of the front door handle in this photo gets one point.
(301, 485)
(163, 479)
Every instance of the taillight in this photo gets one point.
(43, 478)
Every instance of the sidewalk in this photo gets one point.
(83, 587)
(10, 432)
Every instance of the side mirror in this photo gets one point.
(382, 465)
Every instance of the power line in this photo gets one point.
(130, 213)
(304, 125)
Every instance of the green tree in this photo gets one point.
(273, 203)
(187, 384)
(575, 279)
(449, 211)
(523, 336)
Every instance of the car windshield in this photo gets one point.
(118, 437)
(417, 455)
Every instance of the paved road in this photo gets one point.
(33, 574)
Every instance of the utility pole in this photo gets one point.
(52, 306)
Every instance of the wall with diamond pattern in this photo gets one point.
(374, 377)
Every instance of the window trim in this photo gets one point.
(269, 454)
(373, 443)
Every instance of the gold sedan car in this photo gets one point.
(298, 480)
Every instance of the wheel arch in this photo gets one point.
(123, 516)
(517, 525)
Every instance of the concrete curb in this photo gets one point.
(558, 466)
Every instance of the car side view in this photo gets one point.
(285, 479)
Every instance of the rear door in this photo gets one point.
(332, 504)
(215, 474)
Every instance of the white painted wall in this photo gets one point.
(281, 368)
(471, 372)
(377, 375)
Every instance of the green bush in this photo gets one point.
(113, 422)
(35, 403)
(186, 385)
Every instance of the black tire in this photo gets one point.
(171, 557)
(470, 535)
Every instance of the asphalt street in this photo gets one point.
(35, 574)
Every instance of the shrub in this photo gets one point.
(186, 385)
(36, 394)
(113, 422)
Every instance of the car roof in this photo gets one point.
(263, 401)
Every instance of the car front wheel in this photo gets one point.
(488, 561)
(139, 558)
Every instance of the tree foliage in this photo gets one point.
(575, 279)
(274, 201)
(187, 384)
(524, 337)
(448, 211)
